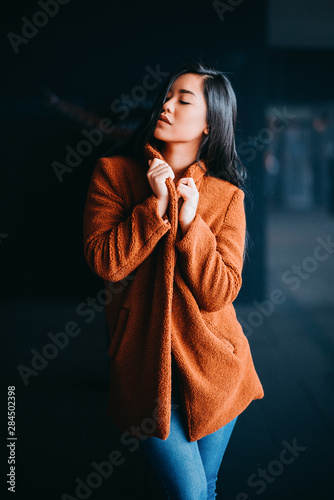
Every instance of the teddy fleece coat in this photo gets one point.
(168, 292)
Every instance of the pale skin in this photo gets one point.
(186, 112)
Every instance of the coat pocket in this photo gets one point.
(119, 332)
(219, 334)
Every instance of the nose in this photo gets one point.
(167, 105)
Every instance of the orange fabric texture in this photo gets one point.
(170, 292)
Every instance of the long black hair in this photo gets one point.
(218, 147)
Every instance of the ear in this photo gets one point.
(206, 130)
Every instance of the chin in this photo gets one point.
(158, 134)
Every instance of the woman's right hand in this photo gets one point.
(157, 175)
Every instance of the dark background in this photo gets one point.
(63, 80)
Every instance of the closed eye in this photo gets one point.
(182, 102)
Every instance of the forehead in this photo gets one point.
(189, 81)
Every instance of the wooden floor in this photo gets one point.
(281, 447)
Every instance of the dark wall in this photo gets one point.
(86, 56)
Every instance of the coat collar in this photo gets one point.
(195, 170)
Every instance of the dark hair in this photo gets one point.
(218, 147)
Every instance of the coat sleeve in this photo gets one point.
(212, 264)
(117, 240)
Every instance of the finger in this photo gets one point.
(160, 166)
(163, 174)
(157, 169)
(185, 191)
(184, 188)
(187, 181)
(156, 162)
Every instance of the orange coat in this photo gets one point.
(168, 292)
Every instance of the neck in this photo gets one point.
(179, 156)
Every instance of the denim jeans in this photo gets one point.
(188, 470)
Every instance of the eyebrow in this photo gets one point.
(185, 91)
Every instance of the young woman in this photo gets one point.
(164, 226)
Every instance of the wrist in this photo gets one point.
(185, 225)
(184, 228)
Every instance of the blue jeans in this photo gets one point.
(188, 470)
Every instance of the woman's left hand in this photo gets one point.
(186, 189)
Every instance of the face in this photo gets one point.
(185, 108)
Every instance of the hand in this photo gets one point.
(157, 175)
(186, 189)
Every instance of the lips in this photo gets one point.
(164, 118)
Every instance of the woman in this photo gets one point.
(164, 226)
